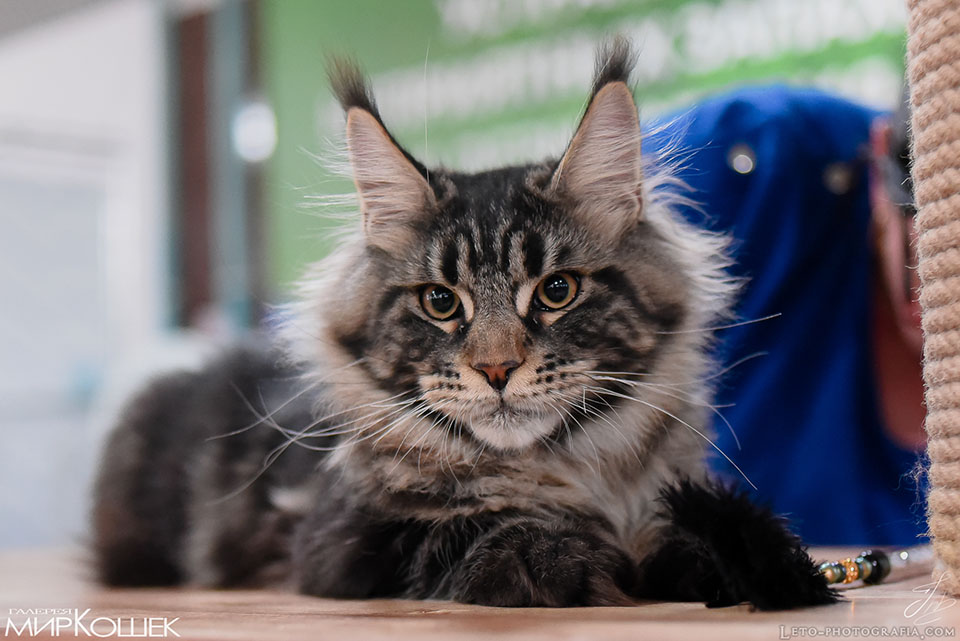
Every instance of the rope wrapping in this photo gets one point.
(933, 67)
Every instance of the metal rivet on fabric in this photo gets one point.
(838, 178)
(742, 159)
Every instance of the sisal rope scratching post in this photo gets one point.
(933, 54)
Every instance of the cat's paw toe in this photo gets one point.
(794, 582)
(532, 566)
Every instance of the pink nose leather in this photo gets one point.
(497, 375)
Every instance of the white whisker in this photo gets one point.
(260, 419)
(678, 395)
(632, 446)
(602, 390)
(720, 327)
(596, 452)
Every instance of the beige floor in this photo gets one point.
(43, 579)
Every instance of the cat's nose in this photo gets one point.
(497, 375)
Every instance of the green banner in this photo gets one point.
(476, 83)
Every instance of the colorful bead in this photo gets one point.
(851, 570)
(832, 572)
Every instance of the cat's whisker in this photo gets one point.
(546, 439)
(612, 373)
(441, 457)
(589, 411)
(611, 407)
(700, 381)
(444, 425)
(425, 434)
(417, 413)
(721, 327)
(426, 106)
(271, 457)
(333, 371)
(339, 446)
(379, 405)
(296, 438)
(239, 490)
(411, 410)
(384, 432)
(679, 395)
(563, 423)
(381, 432)
(483, 448)
(375, 416)
(459, 424)
(345, 427)
(259, 420)
(699, 433)
(268, 420)
(596, 452)
(620, 377)
(737, 363)
(385, 404)
(384, 429)
(566, 427)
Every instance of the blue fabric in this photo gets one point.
(806, 414)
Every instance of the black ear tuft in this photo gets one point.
(352, 89)
(615, 60)
(349, 84)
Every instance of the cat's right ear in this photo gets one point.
(394, 195)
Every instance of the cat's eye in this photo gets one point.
(439, 302)
(558, 290)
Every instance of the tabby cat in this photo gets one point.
(495, 392)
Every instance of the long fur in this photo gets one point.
(372, 457)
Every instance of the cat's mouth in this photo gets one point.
(507, 413)
(510, 428)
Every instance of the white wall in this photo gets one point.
(84, 97)
(83, 237)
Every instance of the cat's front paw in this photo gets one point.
(790, 580)
(729, 550)
(533, 564)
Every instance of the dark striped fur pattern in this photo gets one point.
(542, 445)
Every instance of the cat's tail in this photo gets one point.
(139, 511)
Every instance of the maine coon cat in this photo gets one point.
(496, 391)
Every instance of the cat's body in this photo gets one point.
(499, 396)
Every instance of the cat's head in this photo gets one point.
(500, 306)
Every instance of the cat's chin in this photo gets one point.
(510, 430)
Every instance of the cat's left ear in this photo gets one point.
(600, 173)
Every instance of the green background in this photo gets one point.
(695, 47)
